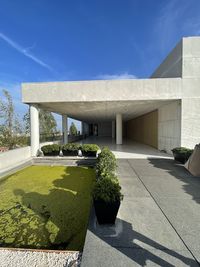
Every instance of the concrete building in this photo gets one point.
(162, 111)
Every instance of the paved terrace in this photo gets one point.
(129, 149)
(158, 221)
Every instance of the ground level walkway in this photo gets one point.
(158, 222)
(129, 149)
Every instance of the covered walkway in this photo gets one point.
(158, 221)
(129, 149)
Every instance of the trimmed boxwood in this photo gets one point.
(51, 150)
(89, 150)
(182, 154)
(107, 190)
(70, 149)
(107, 197)
(106, 163)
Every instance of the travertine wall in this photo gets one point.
(144, 129)
(169, 126)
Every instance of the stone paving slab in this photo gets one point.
(133, 190)
(140, 224)
(125, 170)
(170, 186)
(102, 254)
(184, 214)
(153, 228)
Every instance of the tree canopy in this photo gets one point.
(10, 126)
(47, 122)
(73, 130)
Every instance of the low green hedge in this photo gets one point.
(106, 163)
(52, 150)
(71, 147)
(89, 148)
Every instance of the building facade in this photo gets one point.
(162, 111)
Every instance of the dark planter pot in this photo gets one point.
(55, 153)
(89, 153)
(180, 157)
(106, 212)
(70, 152)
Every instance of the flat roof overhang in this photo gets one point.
(101, 100)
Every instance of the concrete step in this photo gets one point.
(64, 161)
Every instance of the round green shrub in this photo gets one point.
(90, 148)
(107, 190)
(71, 147)
(106, 163)
(51, 149)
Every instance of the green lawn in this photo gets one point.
(46, 207)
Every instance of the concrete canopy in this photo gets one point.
(102, 100)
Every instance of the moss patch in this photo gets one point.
(46, 207)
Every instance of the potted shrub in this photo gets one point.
(106, 163)
(107, 197)
(89, 150)
(182, 154)
(51, 150)
(70, 149)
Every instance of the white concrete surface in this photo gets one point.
(171, 67)
(190, 122)
(129, 149)
(119, 129)
(191, 57)
(12, 158)
(169, 126)
(35, 134)
(65, 128)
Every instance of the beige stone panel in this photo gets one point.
(144, 129)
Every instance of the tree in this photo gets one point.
(10, 126)
(47, 122)
(73, 129)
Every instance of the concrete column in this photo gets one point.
(65, 129)
(119, 129)
(35, 132)
(113, 129)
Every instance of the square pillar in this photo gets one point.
(65, 129)
(35, 132)
(119, 129)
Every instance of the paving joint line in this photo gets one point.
(163, 213)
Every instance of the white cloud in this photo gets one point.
(24, 51)
(120, 76)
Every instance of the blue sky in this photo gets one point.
(48, 40)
